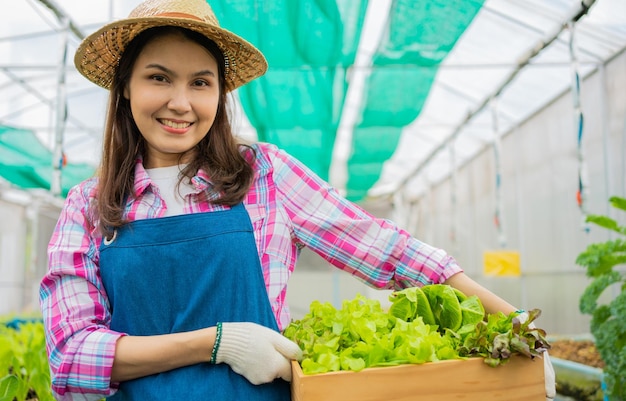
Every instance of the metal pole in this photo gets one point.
(67, 26)
(63, 18)
(30, 277)
(60, 113)
(454, 216)
(606, 141)
(623, 169)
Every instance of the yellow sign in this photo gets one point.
(501, 263)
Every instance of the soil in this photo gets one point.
(581, 351)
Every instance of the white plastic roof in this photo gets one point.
(515, 52)
(515, 57)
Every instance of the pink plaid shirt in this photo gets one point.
(290, 208)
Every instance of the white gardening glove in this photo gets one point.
(548, 369)
(550, 377)
(256, 352)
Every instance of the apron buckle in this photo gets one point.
(110, 241)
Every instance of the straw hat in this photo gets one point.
(98, 55)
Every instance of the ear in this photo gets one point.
(126, 92)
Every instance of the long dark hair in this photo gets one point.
(217, 153)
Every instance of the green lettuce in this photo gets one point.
(426, 324)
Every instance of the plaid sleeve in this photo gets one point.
(374, 250)
(75, 310)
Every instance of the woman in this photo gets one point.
(168, 271)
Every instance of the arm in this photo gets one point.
(85, 355)
(88, 360)
(493, 304)
(74, 307)
(491, 301)
(137, 356)
(258, 353)
(374, 250)
(371, 249)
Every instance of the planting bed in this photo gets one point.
(581, 351)
(578, 367)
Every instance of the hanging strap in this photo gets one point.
(583, 181)
(497, 151)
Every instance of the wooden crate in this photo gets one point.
(521, 379)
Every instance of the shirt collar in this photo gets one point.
(142, 179)
(200, 181)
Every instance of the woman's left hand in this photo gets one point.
(256, 352)
(550, 377)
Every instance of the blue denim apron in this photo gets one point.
(183, 273)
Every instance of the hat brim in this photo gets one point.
(98, 55)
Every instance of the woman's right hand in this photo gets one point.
(256, 352)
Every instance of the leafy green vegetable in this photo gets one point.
(427, 324)
(411, 303)
(24, 371)
(445, 306)
(501, 336)
(472, 310)
(608, 321)
(437, 304)
(361, 335)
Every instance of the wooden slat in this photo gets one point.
(521, 379)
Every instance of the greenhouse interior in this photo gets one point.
(492, 129)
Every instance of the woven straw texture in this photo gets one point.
(98, 55)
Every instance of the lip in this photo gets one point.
(186, 125)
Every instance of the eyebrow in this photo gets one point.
(171, 72)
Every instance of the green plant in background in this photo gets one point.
(24, 369)
(608, 323)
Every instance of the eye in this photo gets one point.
(158, 78)
(200, 82)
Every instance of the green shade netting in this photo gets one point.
(301, 141)
(419, 35)
(374, 149)
(27, 164)
(309, 44)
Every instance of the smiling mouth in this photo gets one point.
(175, 124)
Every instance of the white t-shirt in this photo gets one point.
(166, 179)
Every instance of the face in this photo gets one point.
(174, 94)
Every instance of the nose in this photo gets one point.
(179, 100)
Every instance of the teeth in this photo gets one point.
(174, 124)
